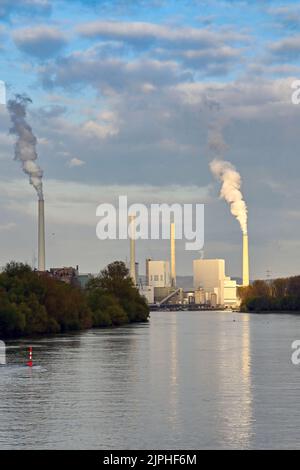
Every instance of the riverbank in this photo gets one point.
(32, 303)
(277, 295)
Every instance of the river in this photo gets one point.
(188, 380)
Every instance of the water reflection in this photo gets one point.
(185, 380)
(174, 373)
(234, 400)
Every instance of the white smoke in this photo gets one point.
(225, 172)
(25, 146)
(231, 189)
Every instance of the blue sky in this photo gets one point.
(121, 92)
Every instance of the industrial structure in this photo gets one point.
(246, 275)
(132, 268)
(211, 287)
(41, 236)
(68, 275)
(211, 282)
(158, 273)
(173, 255)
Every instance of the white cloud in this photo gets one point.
(41, 41)
(246, 98)
(148, 87)
(100, 131)
(7, 227)
(74, 162)
(73, 203)
(144, 31)
(286, 50)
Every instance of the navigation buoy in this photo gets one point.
(29, 363)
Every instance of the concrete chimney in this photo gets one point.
(245, 260)
(132, 269)
(41, 237)
(173, 255)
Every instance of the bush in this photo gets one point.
(101, 318)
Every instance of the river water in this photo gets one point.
(188, 380)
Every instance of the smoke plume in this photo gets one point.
(231, 189)
(25, 146)
(225, 172)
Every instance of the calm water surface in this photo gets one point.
(186, 380)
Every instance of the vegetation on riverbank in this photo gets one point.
(31, 303)
(278, 295)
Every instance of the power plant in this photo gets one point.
(212, 288)
(211, 285)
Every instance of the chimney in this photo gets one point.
(132, 269)
(245, 260)
(173, 255)
(147, 271)
(41, 236)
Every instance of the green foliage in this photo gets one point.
(37, 304)
(31, 303)
(113, 298)
(12, 320)
(278, 295)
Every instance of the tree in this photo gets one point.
(279, 287)
(113, 294)
(31, 303)
(293, 286)
(12, 320)
(276, 295)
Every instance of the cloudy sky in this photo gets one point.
(124, 96)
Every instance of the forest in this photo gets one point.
(278, 295)
(33, 303)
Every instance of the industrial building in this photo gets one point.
(158, 273)
(148, 293)
(68, 275)
(212, 285)
(230, 292)
(161, 276)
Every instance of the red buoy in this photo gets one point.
(29, 363)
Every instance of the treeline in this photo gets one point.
(31, 303)
(272, 296)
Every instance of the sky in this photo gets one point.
(124, 95)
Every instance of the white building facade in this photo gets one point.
(210, 278)
(158, 273)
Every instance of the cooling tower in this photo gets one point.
(173, 255)
(41, 236)
(245, 260)
(132, 248)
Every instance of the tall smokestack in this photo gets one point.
(41, 237)
(245, 260)
(173, 255)
(132, 248)
(26, 153)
